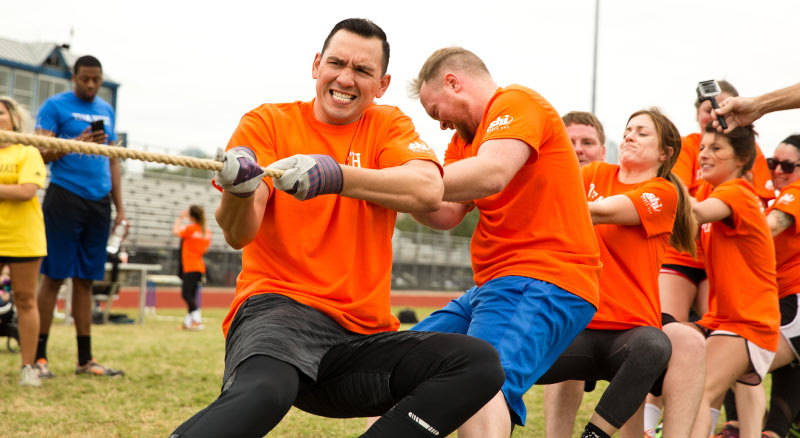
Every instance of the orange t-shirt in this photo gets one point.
(631, 255)
(740, 262)
(538, 226)
(787, 243)
(687, 168)
(331, 253)
(194, 245)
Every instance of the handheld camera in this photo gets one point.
(709, 90)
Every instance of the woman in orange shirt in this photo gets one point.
(783, 218)
(195, 238)
(638, 209)
(742, 320)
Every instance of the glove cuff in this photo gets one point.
(324, 178)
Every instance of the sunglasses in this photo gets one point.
(786, 166)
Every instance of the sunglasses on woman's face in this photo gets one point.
(786, 166)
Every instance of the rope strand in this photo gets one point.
(83, 147)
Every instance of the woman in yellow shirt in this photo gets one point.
(22, 238)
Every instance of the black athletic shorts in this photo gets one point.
(695, 275)
(790, 322)
(277, 326)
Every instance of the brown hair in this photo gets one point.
(451, 57)
(199, 215)
(743, 142)
(585, 118)
(685, 226)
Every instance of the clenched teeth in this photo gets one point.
(342, 96)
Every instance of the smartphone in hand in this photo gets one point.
(98, 126)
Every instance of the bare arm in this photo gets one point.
(446, 217)
(414, 187)
(116, 191)
(18, 192)
(710, 210)
(240, 218)
(49, 155)
(779, 221)
(742, 111)
(614, 210)
(486, 173)
(178, 224)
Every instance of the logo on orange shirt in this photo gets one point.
(500, 123)
(419, 146)
(786, 199)
(652, 202)
(592, 194)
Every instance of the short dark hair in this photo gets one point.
(86, 61)
(366, 29)
(793, 140)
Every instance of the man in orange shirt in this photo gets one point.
(587, 136)
(310, 325)
(535, 256)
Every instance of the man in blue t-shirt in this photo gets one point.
(77, 208)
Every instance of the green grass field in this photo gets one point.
(170, 375)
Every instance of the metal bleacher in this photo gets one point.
(154, 200)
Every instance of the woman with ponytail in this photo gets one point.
(743, 319)
(638, 209)
(195, 238)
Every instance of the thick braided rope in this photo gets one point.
(83, 147)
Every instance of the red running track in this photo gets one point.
(170, 297)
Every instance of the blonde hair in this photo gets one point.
(20, 119)
(455, 58)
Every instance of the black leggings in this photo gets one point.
(632, 360)
(785, 402)
(430, 390)
(189, 288)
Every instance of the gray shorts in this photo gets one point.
(277, 326)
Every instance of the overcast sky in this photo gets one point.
(189, 71)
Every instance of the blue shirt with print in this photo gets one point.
(67, 115)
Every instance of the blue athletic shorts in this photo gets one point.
(77, 233)
(530, 322)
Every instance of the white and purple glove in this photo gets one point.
(308, 176)
(240, 172)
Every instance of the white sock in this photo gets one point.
(188, 320)
(714, 419)
(195, 314)
(652, 414)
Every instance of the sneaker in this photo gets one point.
(29, 376)
(728, 431)
(42, 369)
(194, 326)
(95, 369)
